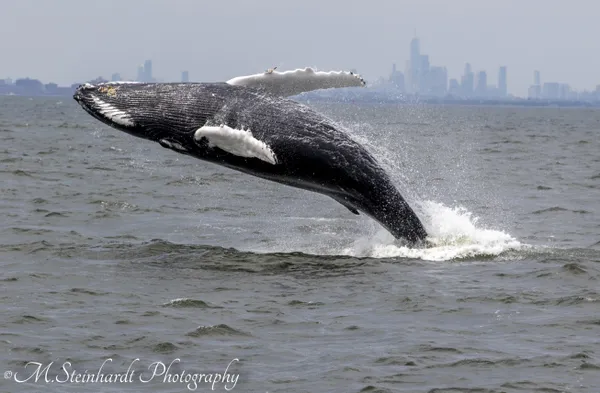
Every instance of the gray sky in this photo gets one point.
(67, 41)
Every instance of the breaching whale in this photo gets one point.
(249, 125)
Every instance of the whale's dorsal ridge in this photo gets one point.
(239, 142)
(289, 83)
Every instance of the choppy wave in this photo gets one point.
(455, 234)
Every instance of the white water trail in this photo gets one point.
(453, 234)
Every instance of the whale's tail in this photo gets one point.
(397, 216)
(384, 203)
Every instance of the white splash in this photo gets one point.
(289, 83)
(114, 114)
(238, 142)
(454, 234)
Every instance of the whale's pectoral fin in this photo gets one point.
(289, 83)
(239, 142)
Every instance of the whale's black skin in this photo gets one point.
(312, 152)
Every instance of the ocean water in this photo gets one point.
(118, 256)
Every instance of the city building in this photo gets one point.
(437, 81)
(502, 83)
(551, 91)
(420, 77)
(148, 71)
(415, 63)
(423, 78)
(144, 72)
(140, 73)
(407, 77)
(423, 74)
(396, 79)
(454, 87)
(51, 88)
(116, 77)
(481, 88)
(185, 76)
(564, 91)
(535, 90)
(468, 81)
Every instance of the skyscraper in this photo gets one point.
(502, 85)
(407, 77)
(564, 91)
(468, 68)
(535, 90)
(454, 87)
(437, 80)
(185, 76)
(140, 73)
(481, 89)
(424, 84)
(116, 77)
(415, 63)
(397, 78)
(551, 91)
(467, 82)
(536, 78)
(148, 71)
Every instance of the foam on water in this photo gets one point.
(454, 234)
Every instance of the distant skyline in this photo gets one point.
(68, 40)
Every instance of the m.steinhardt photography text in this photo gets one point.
(158, 372)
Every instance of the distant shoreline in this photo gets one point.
(383, 99)
(378, 99)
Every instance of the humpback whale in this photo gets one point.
(250, 125)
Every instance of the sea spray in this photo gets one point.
(453, 234)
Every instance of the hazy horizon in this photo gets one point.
(69, 41)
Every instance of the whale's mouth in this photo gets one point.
(83, 95)
(101, 102)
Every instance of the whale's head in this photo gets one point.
(164, 113)
(109, 104)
